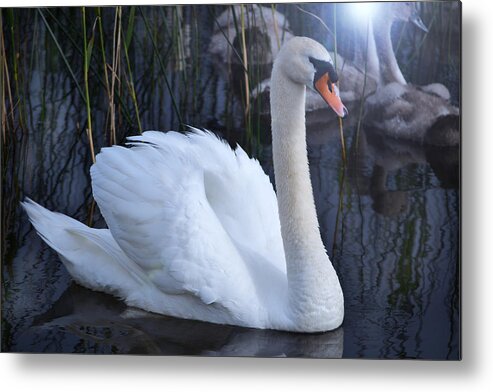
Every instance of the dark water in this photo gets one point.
(389, 220)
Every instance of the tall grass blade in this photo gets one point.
(341, 130)
(131, 86)
(362, 99)
(342, 183)
(86, 84)
(228, 41)
(103, 57)
(162, 66)
(64, 58)
(319, 19)
(130, 26)
(6, 89)
(245, 63)
(114, 71)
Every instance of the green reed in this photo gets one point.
(17, 76)
(94, 71)
(196, 59)
(130, 81)
(245, 64)
(105, 72)
(62, 54)
(341, 130)
(363, 97)
(88, 46)
(6, 91)
(161, 64)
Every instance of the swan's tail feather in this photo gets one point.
(48, 224)
(91, 256)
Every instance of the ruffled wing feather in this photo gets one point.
(177, 207)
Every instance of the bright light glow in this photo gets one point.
(363, 11)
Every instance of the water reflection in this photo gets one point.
(397, 249)
(103, 324)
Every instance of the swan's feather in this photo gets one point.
(182, 208)
(91, 256)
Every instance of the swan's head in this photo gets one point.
(307, 62)
(404, 11)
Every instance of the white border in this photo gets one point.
(99, 373)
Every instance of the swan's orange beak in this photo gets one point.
(330, 93)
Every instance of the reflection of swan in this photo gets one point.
(401, 110)
(380, 158)
(98, 318)
(195, 228)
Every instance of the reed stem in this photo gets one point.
(115, 61)
(5, 83)
(64, 58)
(341, 130)
(131, 85)
(87, 59)
(105, 65)
(162, 66)
(362, 99)
(342, 183)
(245, 63)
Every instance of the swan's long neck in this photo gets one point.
(311, 277)
(389, 68)
(368, 49)
(373, 65)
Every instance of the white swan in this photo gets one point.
(385, 16)
(195, 230)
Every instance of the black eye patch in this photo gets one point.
(321, 67)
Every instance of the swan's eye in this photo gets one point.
(323, 67)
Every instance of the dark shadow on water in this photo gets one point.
(108, 326)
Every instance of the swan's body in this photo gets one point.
(401, 110)
(409, 113)
(195, 229)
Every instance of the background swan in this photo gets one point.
(267, 29)
(384, 17)
(195, 230)
(402, 110)
(406, 112)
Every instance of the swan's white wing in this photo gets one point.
(242, 196)
(155, 200)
